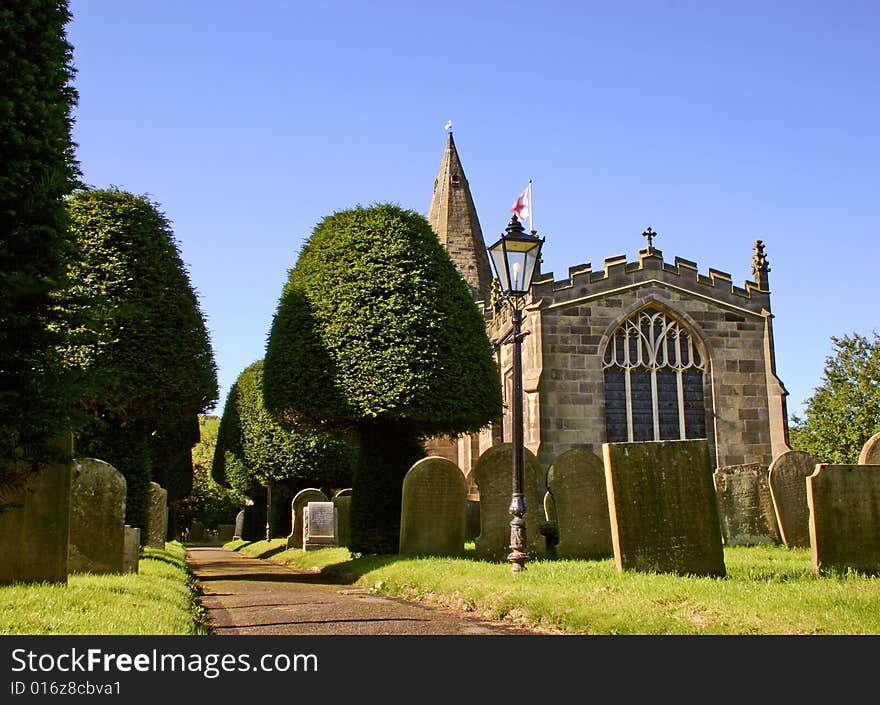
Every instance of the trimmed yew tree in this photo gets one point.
(37, 170)
(254, 451)
(377, 332)
(152, 357)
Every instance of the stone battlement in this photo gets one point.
(618, 274)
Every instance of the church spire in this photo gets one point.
(453, 217)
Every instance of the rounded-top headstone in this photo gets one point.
(300, 500)
(870, 454)
(493, 476)
(433, 509)
(787, 477)
(157, 528)
(97, 518)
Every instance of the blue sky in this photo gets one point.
(714, 123)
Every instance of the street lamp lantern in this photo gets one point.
(515, 257)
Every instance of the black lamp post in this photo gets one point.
(515, 257)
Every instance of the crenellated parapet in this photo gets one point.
(618, 275)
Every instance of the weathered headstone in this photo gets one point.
(745, 507)
(97, 518)
(433, 509)
(319, 525)
(300, 500)
(239, 526)
(870, 454)
(661, 502)
(131, 549)
(225, 532)
(34, 534)
(577, 485)
(844, 502)
(788, 487)
(342, 502)
(157, 528)
(493, 477)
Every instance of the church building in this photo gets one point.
(646, 350)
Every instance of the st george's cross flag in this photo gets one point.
(523, 205)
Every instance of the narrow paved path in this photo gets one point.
(245, 595)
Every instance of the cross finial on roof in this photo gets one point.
(649, 235)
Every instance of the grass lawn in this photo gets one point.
(160, 599)
(768, 590)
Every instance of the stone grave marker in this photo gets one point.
(844, 503)
(745, 507)
(870, 454)
(577, 485)
(342, 502)
(787, 477)
(319, 525)
(662, 507)
(493, 477)
(35, 533)
(131, 549)
(197, 531)
(238, 531)
(297, 504)
(97, 518)
(433, 510)
(157, 527)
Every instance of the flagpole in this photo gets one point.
(531, 209)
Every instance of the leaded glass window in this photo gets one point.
(653, 381)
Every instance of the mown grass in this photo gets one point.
(768, 590)
(162, 598)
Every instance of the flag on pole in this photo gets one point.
(523, 205)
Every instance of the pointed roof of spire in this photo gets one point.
(453, 217)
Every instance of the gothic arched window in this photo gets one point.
(653, 381)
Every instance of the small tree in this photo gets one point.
(376, 331)
(37, 170)
(844, 411)
(152, 356)
(254, 451)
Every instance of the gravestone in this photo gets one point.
(577, 484)
(787, 477)
(157, 527)
(197, 531)
(870, 454)
(661, 502)
(225, 532)
(472, 518)
(35, 532)
(844, 502)
(745, 507)
(238, 531)
(97, 518)
(493, 477)
(342, 502)
(131, 549)
(433, 510)
(300, 500)
(319, 525)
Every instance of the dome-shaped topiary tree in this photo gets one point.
(152, 357)
(377, 331)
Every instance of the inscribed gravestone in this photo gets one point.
(97, 518)
(319, 525)
(34, 534)
(870, 454)
(131, 549)
(300, 500)
(745, 508)
(577, 484)
(342, 502)
(492, 475)
(433, 509)
(662, 507)
(844, 503)
(239, 526)
(788, 487)
(157, 527)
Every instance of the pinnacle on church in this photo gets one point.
(760, 266)
(453, 217)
